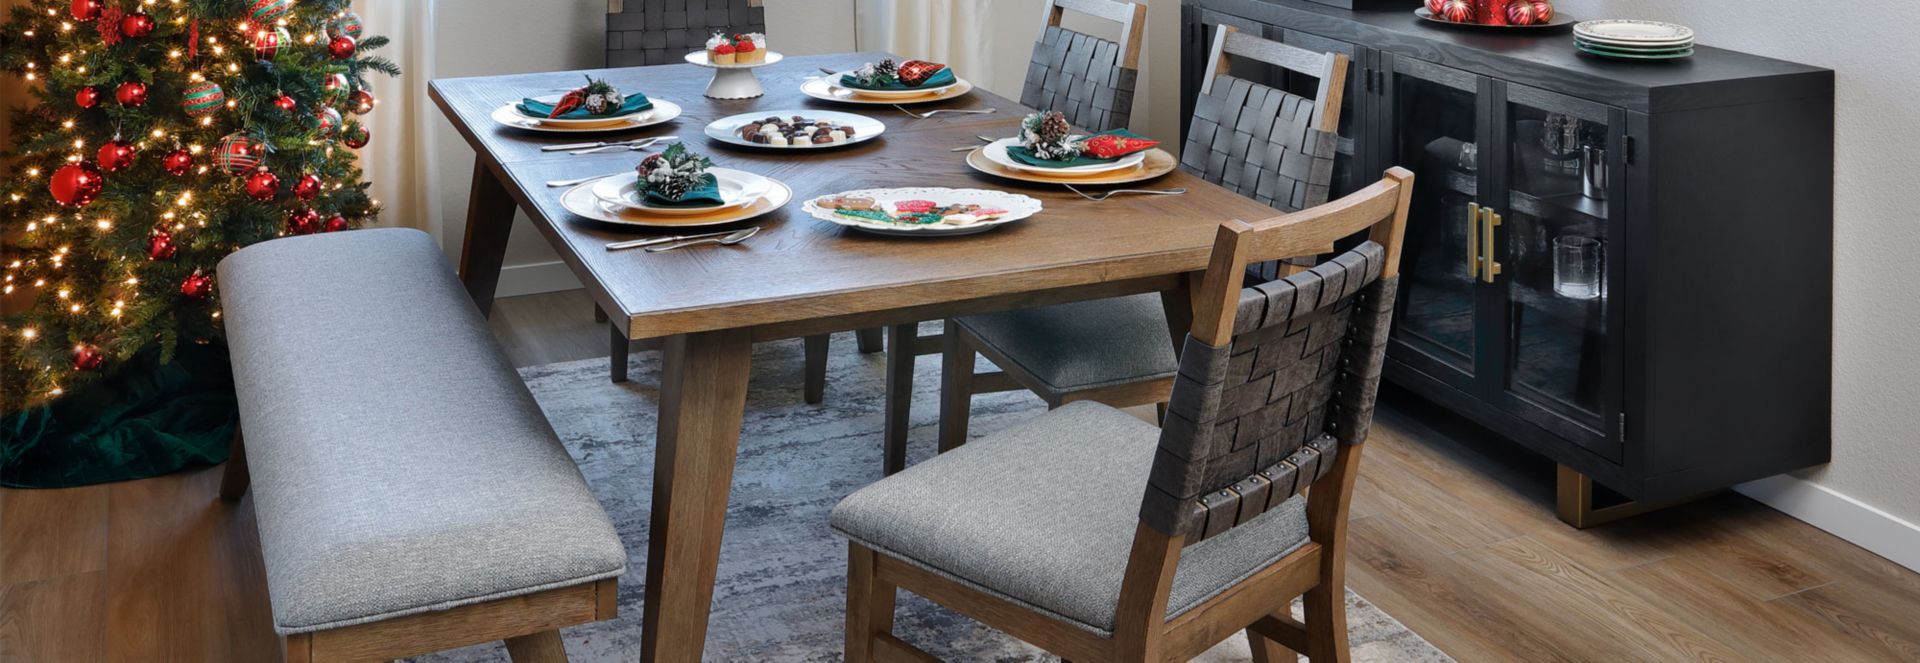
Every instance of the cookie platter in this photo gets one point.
(922, 211)
(803, 129)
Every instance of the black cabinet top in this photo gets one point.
(1712, 77)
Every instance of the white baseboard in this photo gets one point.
(1877, 531)
(535, 278)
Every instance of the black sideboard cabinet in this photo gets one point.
(1682, 342)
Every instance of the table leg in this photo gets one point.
(1178, 305)
(703, 393)
(617, 347)
(900, 356)
(489, 218)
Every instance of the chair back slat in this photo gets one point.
(1275, 378)
(649, 32)
(1088, 79)
(1263, 142)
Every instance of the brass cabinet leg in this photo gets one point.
(1577, 505)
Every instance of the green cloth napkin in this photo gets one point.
(939, 78)
(1026, 156)
(705, 195)
(540, 109)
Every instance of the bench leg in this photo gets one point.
(235, 480)
(900, 356)
(816, 368)
(703, 394)
(617, 355)
(542, 647)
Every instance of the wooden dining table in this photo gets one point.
(799, 276)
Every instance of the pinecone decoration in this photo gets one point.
(602, 97)
(876, 74)
(673, 172)
(1049, 136)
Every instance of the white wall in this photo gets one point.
(1870, 44)
(491, 37)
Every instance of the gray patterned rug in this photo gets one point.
(782, 586)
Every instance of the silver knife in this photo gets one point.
(610, 143)
(637, 243)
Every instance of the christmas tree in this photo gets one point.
(162, 136)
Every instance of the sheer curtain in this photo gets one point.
(399, 160)
(960, 33)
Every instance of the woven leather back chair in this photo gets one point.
(1089, 79)
(644, 32)
(1263, 142)
(1038, 534)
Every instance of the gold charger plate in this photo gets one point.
(581, 201)
(822, 89)
(1159, 162)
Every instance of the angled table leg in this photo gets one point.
(489, 219)
(703, 394)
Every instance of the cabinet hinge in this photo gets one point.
(1623, 427)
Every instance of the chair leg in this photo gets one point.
(542, 647)
(1268, 651)
(899, 394)
(617, 355)
(869, 604)
(235, 479)
(815, 390)
(956, 388)
(869, 339)
(1326, 609)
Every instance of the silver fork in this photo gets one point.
(731, 239)
(1109, 194)
(937, 111)
(630, 147)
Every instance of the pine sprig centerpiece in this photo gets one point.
(158, 138)
(877, 74)
(674, 172)
(1049, 136)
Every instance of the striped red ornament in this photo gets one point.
(238, 154)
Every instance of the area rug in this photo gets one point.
(782, 581)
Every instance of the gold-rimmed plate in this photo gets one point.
(825, 90)
(1158, 162)
(581, 201)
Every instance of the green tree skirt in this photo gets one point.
(149, 419)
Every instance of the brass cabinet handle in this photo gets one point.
(1474, 216)
(1489, 221)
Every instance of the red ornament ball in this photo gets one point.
(329, 120)
(88, 358)
(263, 185)
(341, 47)
(87, 97)
(136, 25)
(303, 221)
(76, 184)
(86, 10)
(361, 101)
(197, 285)
(177, 162)
(1437, 8)
(1542, 9)
(357, 137)
(1521, 13)
(307, 188)
(115, 155)
(160, 246)
(267, 43)
(131, 93)
(1458, 11)
(1491, 12)
(286, 103)
(334, 83)
(336, 223)
(238, 154)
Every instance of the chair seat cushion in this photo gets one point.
(1081, 345)
(1044, 514)
(399, 464)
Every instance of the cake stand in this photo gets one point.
(732, 81)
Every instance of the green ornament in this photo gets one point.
(203, 99)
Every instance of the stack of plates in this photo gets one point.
(1633, 40)
(618, 199)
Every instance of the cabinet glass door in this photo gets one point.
(1554, 247)
(1435, 128)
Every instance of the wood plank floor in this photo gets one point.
(1453, 534)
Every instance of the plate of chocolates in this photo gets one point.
(795, 130)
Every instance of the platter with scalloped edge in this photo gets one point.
(1006, 207)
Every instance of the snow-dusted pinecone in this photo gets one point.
(1049, 136)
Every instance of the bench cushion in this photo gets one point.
(399, 464)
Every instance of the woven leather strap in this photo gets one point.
(1081, 77)
(1260, 142)
(648, 32)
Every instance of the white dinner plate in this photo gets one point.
(662, 111)
(737, 188)
(1628, 31)
(623, 118)
(997, 153)
(893, 95)
(727, 129)
(581, 201)
(1017, 206)
(824, 89)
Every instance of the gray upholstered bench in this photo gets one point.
(410, 495)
